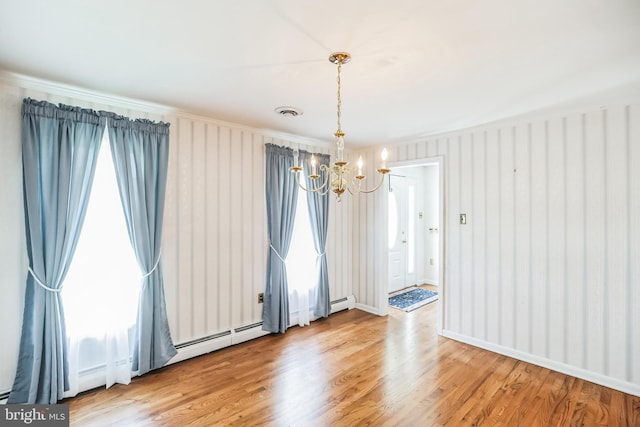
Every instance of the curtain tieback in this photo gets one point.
(154, 267)
(322, 254)
(276, 252)
(39, 282)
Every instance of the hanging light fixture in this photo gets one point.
(339, 177)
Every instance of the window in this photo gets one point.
(302, 271)
(101, 290)
(411, 229)
(393, 220)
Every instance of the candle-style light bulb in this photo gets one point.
(383, 163)
(295, 158)
(360, 165)
(313, 165)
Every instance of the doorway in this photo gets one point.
(415, 227)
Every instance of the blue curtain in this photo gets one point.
(282, 197)
(60, 147)
(318, 207)
(140, 151)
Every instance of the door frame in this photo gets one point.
(383, 308)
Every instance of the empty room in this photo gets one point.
(281, 212)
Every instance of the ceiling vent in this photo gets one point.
(288, 111)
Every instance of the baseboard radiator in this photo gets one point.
(94, 377)
(210, 343)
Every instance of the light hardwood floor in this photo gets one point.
(355, 368)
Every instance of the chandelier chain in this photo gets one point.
(339, 97)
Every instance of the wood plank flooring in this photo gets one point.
(351, 369)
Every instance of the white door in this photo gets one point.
(402, 233)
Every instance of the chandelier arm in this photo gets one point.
(353, 185)
(319, 188)
(357, 183)
(327, 175)
(326, 190)
(375, 188)
(310, 190)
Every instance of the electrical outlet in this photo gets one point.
(432, 261)
(260, 298)
(463, 219)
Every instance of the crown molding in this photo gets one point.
(89, 95)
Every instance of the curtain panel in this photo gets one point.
(140, 152)
(281, 193)
(60, 146)
(318, 207)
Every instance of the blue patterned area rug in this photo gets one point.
(410, 299)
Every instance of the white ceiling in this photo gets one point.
(419, 66)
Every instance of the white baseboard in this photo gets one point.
(604, 380)
(425, 281)
(370, 309)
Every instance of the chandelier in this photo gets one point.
(339, 177)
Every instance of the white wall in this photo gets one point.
(215, 241)
(13, 263)
(547, 268)
(430, 223)
(370, 242)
